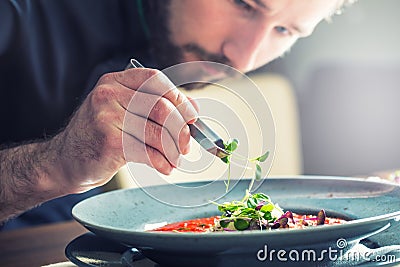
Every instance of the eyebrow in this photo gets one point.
(302, 31)
(297, 28)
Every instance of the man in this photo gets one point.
(61, 56)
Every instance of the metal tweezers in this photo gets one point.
(208, 139)
(199, 130)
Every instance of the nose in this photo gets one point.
(243, 46)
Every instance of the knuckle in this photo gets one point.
(150, 73)
(153, 131)
(180, 98)
(107, 78)
(161, 110)
(102, 94)
(176, 97)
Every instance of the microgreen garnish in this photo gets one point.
(231, 147)
(261, 158)
(254, 211)
(258, 172)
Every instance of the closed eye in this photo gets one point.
(243, 4)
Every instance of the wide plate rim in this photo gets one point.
(349, 224)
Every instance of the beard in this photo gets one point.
(163, 51)
(162, 48)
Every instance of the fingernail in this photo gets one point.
(193, 112)
(192, 121)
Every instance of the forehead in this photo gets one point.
(304, 6)
(312, 10)
(305, 13)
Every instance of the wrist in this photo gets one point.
(28, 177)
(45, 170)
(54, 168)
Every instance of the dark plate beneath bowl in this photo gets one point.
(90, 250)
(121, 216)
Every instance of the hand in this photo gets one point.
(135, 115)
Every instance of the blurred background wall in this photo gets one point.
(347, 80)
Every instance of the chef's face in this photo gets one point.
(244, 34)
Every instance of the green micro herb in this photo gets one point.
(231, 147)
(252, 212)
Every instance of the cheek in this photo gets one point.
(275, 48)
(282, 45)
(199, 24)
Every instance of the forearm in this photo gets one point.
(28, 176)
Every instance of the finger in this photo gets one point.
(141, 153)
(152, 134)
(156, 108)
(157, 83)
(162, 112)
(194, 103)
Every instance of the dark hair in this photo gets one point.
(161, 48)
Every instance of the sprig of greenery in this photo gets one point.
(231, 147)
(252, 208)
(258, 172)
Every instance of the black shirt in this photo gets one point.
(52, 52)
